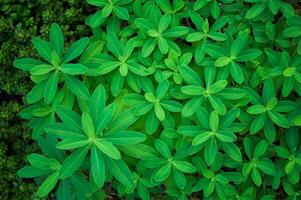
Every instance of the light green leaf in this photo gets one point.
(48, 184)
(73, 162)
(51, 87)
(74, 69)
(87, 125)
(77, 87)
(76, 49)
(97, 167)
(162, 173)
(125, 137)
(57, 39)
(107, 148)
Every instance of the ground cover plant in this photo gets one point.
(169, 100)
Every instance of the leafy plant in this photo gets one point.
(169, 100)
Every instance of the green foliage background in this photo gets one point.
(20, 20)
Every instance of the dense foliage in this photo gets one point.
(169, 100)
(19, 21)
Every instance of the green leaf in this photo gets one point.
(214, 121)
(39, 161)
(107, 148)
(258, 123)
(267, 166)
(43, 48)
(26, 64)
(148, 47)
(183, 166)
(256, 176)
(96, 3)
(76, 49)
(292, 32)
(199, 4)
(138, 151)
(215, 9)
(97, 103)
(73, 142)
(73, 162)
(143, 108)
(162, 148)
(260, 148)
(57, 39)
(162, 173)
(222, 61)
(190, 76)
(121, 172)
(69, 118)
(87, 125)
(107, 10)
(159, 112)
(162, 89)
(97, 167)
(41, 69)
(202, 137)
(74, 69)
(191, 106)
(256, 109)
(31, 172)
(179, 178)
(163, 45)
(164, 22)
(236, 72)
(217, 104)
(278, 119)
(77, 87)
(292, 138)
(48, 184)
(113, 44)
(171, 106)
(125, 137)
(247, 55)
(211, 151)
(193, 37)
(255, 10)
(107, 67)
(218, 86)
(175, 31)
(193, 90)
(92, 50)
(95, 20)
(237, 46)
(51, 87)
(225, 136)
(152, 123)
(233, 151)
(121, 12)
